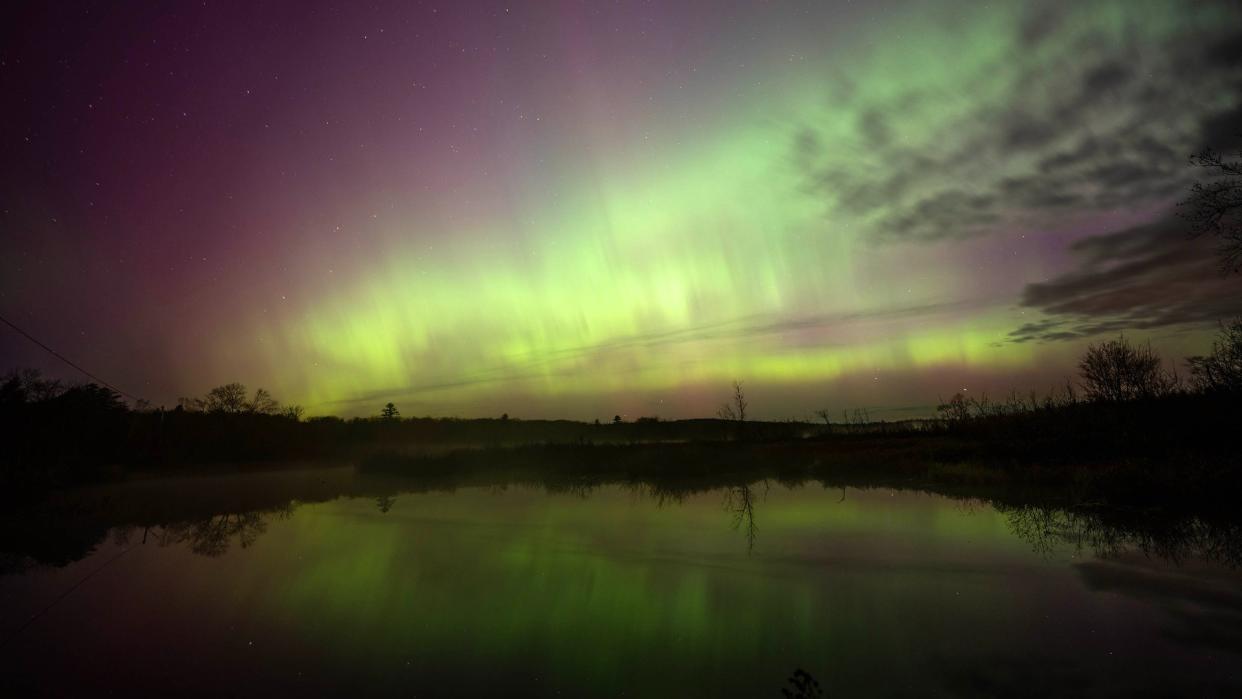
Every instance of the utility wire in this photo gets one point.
(39, 614)
(66, 360)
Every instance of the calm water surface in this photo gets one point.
(616, 592)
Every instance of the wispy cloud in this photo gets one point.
(1144, 277)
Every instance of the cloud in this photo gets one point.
(1223, 131)
(1090, 113)
(1038, 23)
(1203, 613)
(1144, 277)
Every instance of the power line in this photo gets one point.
(66, 360)
(35, 617)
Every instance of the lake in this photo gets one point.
(325, 583)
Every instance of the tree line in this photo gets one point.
(1118, 370)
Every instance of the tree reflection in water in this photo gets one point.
(740, 501)
(211, 536)
(64, 528)
(1110, 532)
(384, 503)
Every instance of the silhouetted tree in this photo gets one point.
(292, 412)
(823, 414)
(12, 397)
(1116, 370)
(1215, 206)
(956, 410)
(505, 416)
(801, 686)
(29, 386)
(1220, 371)
(229, 398)
(262, 403)
(736, 408)
(89, 400)
(616, 419)
(390, 412)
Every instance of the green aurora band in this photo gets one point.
(578, 213)
(714, 261)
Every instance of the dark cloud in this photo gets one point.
(1144, 277)
(1117, 175)
(1040, 22)
(1024, 132)
(874, 127)
(1088, 123)
(1040, 329)
(1226, 50)
(954, 210)
(807, 145)
(1034, 192)
(1204, 613)
(1223, 130)
(1105, 77)
(1086, 150)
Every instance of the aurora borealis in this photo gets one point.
(576, 209)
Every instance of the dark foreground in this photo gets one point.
(517, 573)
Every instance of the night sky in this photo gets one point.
(576, 209)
